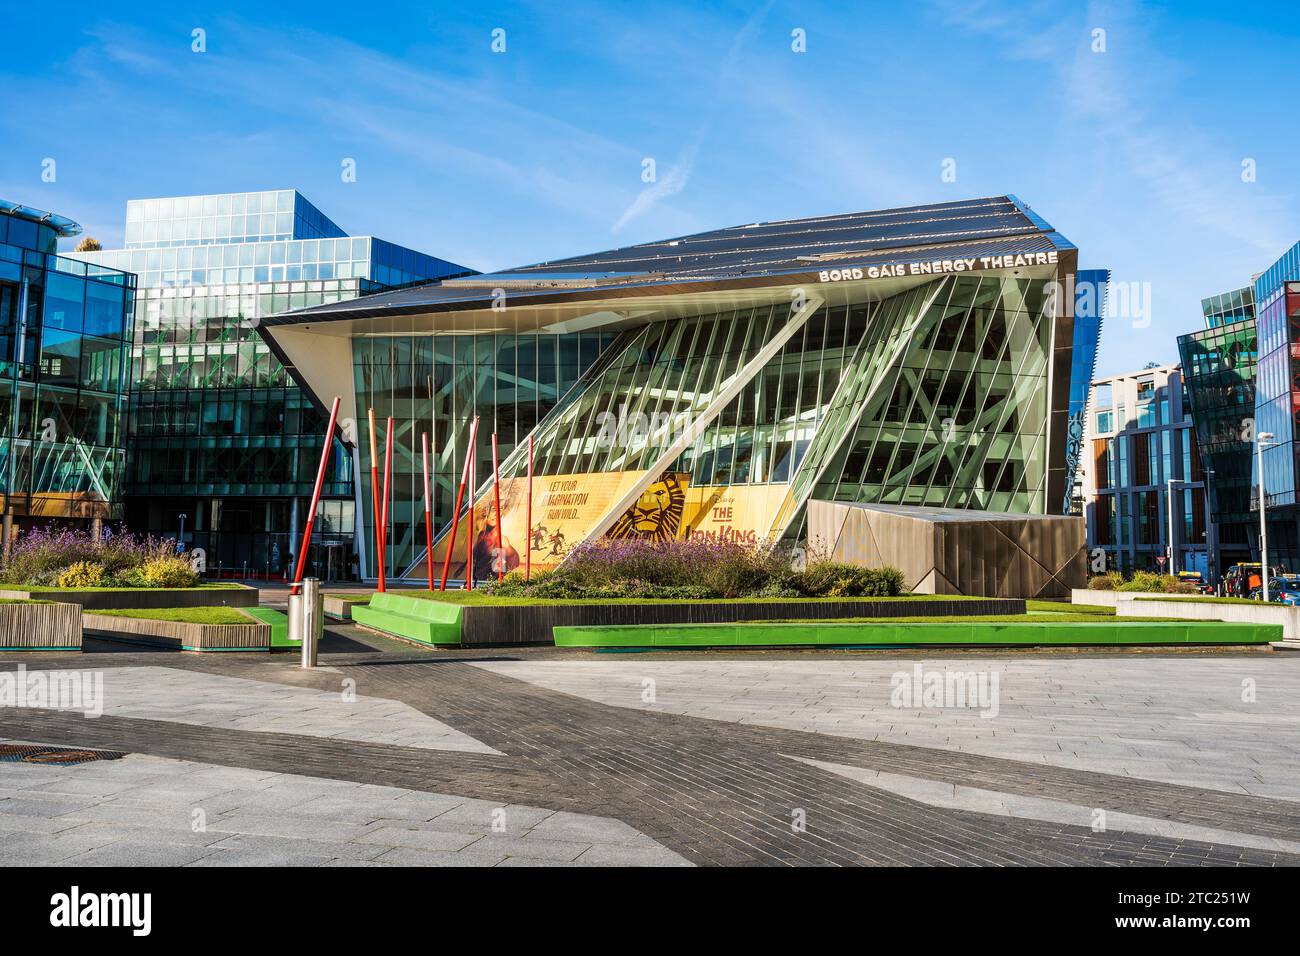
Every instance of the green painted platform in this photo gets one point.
(413, 619)
(883, 633)
(279, 622)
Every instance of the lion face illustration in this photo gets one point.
(657, 513)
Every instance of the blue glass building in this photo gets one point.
(1277, 404)
(1219, 364)
(1089, 313)
(65, 331)
(223, 445)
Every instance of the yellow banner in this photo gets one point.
(739, 513)
(566, 508)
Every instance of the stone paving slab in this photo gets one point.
(717, 792)
(93, 814)
(955, 796)
(213, 700)
(1177, 719)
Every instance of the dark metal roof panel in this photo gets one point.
(738, 255)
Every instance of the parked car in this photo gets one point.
(1195, 579)
(1282, 589)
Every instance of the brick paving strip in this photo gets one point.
(715, 792)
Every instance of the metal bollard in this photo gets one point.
(313, 620)
(294, 609)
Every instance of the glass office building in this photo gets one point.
(1277, 404)
(708, 386)
(1144, 461)
(1219, 364)
(65, 332)
(224, 446)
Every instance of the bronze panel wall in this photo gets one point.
(975, 553)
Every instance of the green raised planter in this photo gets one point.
(279, 622)
(412, 619)
(884, 634)
(113, 599)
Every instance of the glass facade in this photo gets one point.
(707, 387)
(437, 385)
(224, 445)
(65, 332)
(936, 396)
(1277, 404)
(959, 418)
(1277, 389)
(1219, 375)
(1089, 313)
(225, 218)
(1140, 438)
(1228, 308)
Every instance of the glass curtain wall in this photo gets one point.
(217, 424)
(64, 332)
(960, 418)
(1219, 374)
(436, 385)
(935, 396)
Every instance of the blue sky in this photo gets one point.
(500, 159)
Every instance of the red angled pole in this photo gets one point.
(315, 495)
(469, 514)
(388, 482)
(428, 514)
(528, 545)
(374, 494)
(455, 514)
(496, 495)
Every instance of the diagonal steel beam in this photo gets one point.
(701, 422)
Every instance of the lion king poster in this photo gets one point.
(565, 510)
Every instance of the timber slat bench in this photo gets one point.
(179, 635)
(413, 619)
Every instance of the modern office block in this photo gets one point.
(1218, 365)
(1277, 406)
(1141, 455)
(223, 444)
(65, 332)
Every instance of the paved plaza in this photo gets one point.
(390, 756)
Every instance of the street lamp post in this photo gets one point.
(1261, 440)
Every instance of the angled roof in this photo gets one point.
(62, 225)
(767, 253)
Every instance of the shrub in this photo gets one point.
(825, 578)
(170, 571)
(693, 570)
(1142, 581)
(560, 585)
(1110, 581)
(82, 574)
(40, 557)
(1146, 581)
(889, 582)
